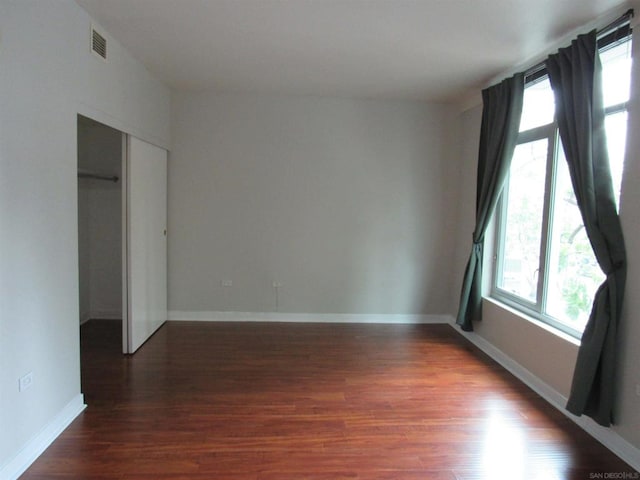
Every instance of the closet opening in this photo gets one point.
(101, 236)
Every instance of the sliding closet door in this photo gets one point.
(146, 240)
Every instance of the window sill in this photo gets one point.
(549, 328)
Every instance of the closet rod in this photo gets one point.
(98, 176)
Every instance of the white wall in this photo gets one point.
(463, 210)
(100, 222)
(628, 407)
(545, 354)
(344, 202)
(47, 76)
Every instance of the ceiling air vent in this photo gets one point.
(98, 44)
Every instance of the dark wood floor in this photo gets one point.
(304, 401)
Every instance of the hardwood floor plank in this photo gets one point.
(310, 401)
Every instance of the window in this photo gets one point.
(545, 265)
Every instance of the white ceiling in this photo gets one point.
(414, 49)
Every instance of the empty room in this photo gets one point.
(319, 239)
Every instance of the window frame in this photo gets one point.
(532, 309)
(550, 132)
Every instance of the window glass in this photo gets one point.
(616, 128)
(616, 74)
(523, 224)
(573, 272)
(538, 105)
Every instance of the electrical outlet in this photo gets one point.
(25, 382)
(277, 285)
(227, 283)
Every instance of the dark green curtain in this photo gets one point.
(575, 75)
(501, 112)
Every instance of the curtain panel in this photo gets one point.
(575, 75)
(501, 112)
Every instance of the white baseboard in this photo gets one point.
(607, 436)
(38, 444)
(201, 316)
